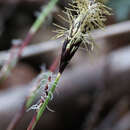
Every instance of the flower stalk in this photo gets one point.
(44, 104)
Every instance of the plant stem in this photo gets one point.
(44, 105)
(48, 97)
(28, 101)
(30, 98)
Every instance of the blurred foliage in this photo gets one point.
(121, 8)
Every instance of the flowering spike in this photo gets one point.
(45, 82)
(90, 14)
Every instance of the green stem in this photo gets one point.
(42, 16)
(44, 105)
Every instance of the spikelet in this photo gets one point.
(44, 83)
(89, 15)
(92, 14)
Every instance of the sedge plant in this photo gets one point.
(88, 15)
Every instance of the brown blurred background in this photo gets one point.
(93, 93)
